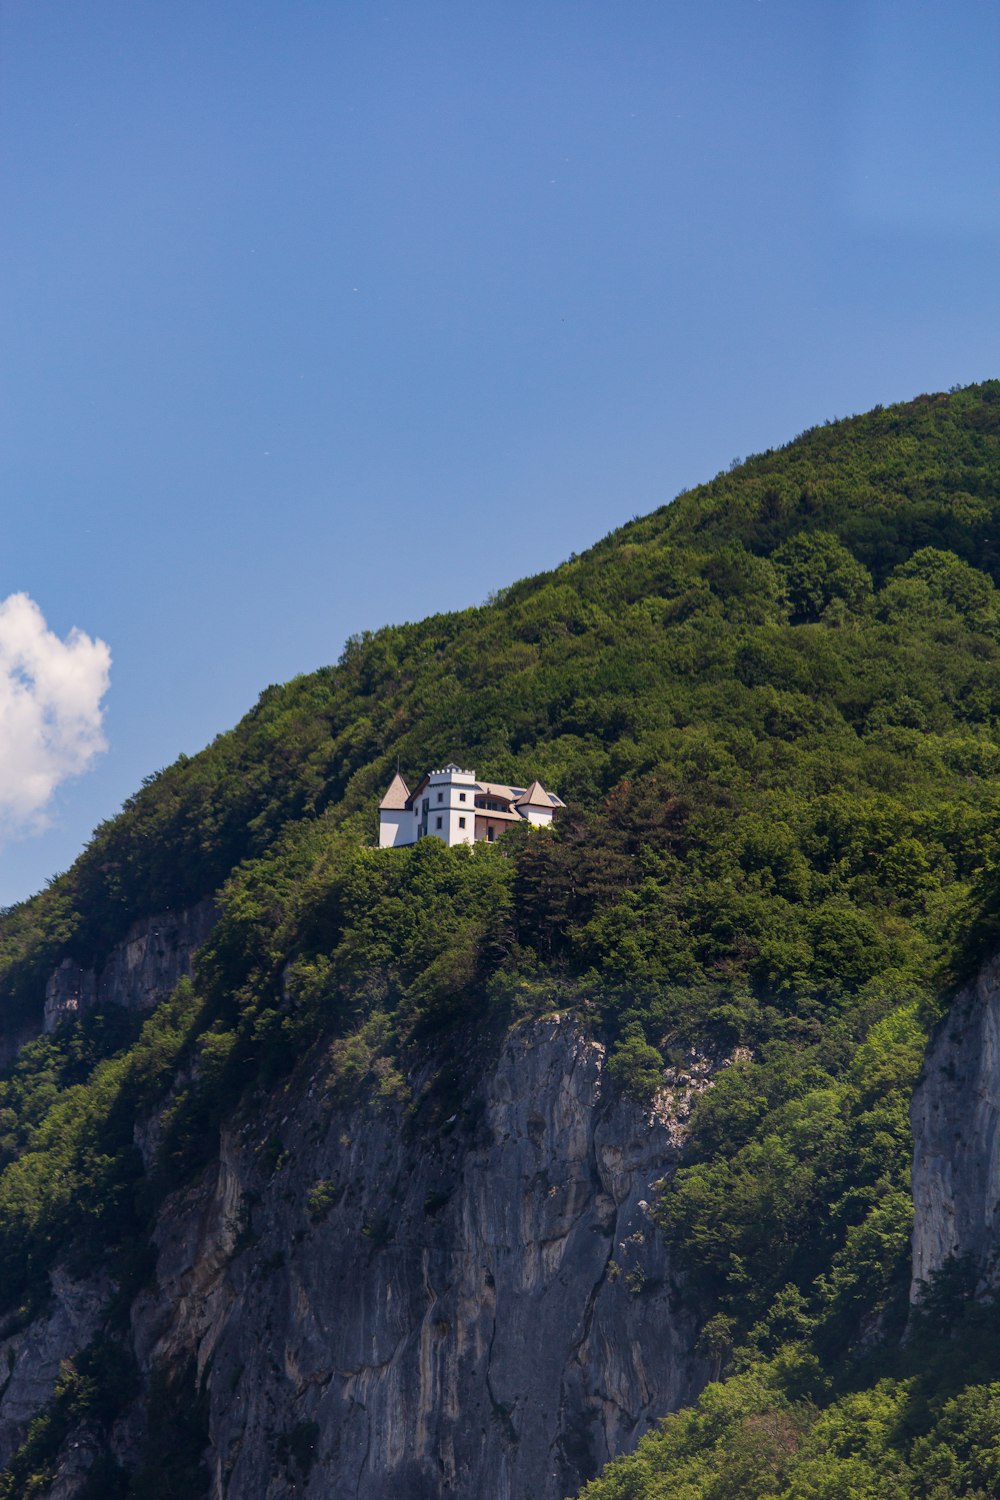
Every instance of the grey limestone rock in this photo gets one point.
(30, 1358)
(483, 1309)
(137, 973)
(956, 1130)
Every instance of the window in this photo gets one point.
(438, 821)
(490, 834)
(461, 822)
(461, 798)
(440, 796)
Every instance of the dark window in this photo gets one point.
(490, 835)
(461, 822)
(438, 821)
(440, 796)
(461, 796)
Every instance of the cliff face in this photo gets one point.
(382, 1306)
(137, 973)
(31, 1356)
(486, 1311)
(956, 1129)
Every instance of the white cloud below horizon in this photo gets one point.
(50, 711)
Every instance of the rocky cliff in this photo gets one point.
(137, 973)
(157, 952)
(477, 1305)
(485, 1310)
(956, 1130)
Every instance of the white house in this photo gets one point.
(453, 806)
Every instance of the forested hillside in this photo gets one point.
(772, 710)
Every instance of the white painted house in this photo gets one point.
(453, 806)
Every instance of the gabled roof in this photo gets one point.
(537, 796)
(397, 796)
(425, 778)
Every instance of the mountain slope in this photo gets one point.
(771, 708)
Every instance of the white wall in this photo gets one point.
(396, 826)
(467, 834)
(451, 787)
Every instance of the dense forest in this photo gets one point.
(771, 708)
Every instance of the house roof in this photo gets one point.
(537, 796)
(486, 815)
(420, 786)
(397, 796)
(496, 789)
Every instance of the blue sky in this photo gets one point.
(316, 316)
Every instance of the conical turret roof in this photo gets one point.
(396, 797)
(534, 796)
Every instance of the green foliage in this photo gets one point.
(798, 1168)
(72, 1187)
(818, 571)
(610, 666)
(906, 1436)
(636, 1067)
(321, 1198)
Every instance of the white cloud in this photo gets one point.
(50, 710)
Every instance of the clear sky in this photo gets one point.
(318, 315)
